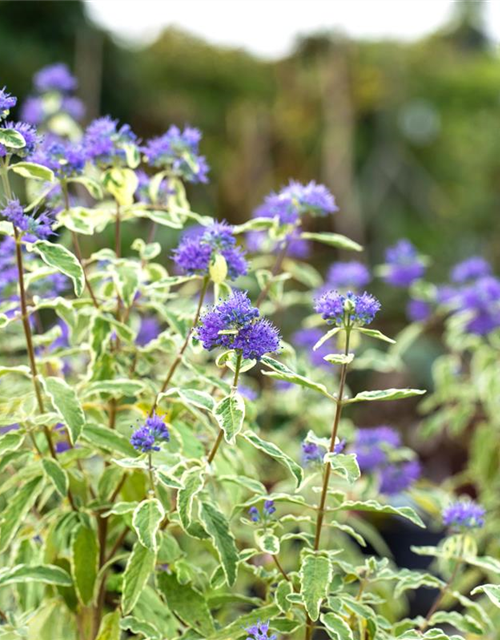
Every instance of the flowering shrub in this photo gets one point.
(172, 468)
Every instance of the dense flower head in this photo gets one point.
(33, 228)
(63, 157)
(32, 110)
(195, 253)
(105, 142)
(396, 478)
(150, 435)
(306, 339)
(260, 631)
(418, 310)
(403, 264)
(295, 200)
(464, 514)
(339, 309)
(350, 275)
(247, 333)
(31, 139)
(55, 77)
(73, 106)
(372, 446)
(178, 151)
(7, 102)
(481, 301)
(471, 269)
(149, 329)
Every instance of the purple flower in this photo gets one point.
(371, 446)
(33, 228)
(104, 142)
(470, 269)
(179, 151)
(150, 435)
(7, 101)
(404, 265)
(29, 134)
(260, 631)
(32, 110)
(295, 200)
(312, 453)
(235, 324)
(348, 275)
(148, 330)
(8, 428)
(63, 157)
(348, 309)
(269, 508)
(195, 253)
(74, 107)
(254, 514)
(306, 339)
(418, 310)
(248, 392)
(62, 341)
(481, 301)
(464, 514)
(55, 77)
(267, 511)
(396, 478)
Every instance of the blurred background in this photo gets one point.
(394, 105)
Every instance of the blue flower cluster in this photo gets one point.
(235, 324)
(464, 514)
(470, 269)
(296, 200)
(347, 310)
(31, 227)
(178, 151)
(260, 631)
(7, 102)
(149, 330)
(53, 85)
(105, 142)
(403, 264)
(350, 276)
(29, 134)
(267, 511)
(150, 435)
(373, 447)
(313, 453)
(63, 157)
(195, 254)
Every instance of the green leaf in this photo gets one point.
(282, 372)
(17, 509)
(333, 240)
(66, 404)
(491, 590)
(275, 452)
(57, 475)
(129, 623)
(385, 394)
(57, 256)
(283, 590)
(108, 439)
(146, 522)
(230, 415)
(267, 542)
(187, 604)
(92, 186)
(110, 629)
(339, 358)
(378, 335)
(126, 279)
(116, 388)
(377, 507)
(84, 562)
(223, 540)
(194, 397)
(327, 336)
(33, 171)
(121, 184)
(336, 627)
(139, 567)
(45, 573)
(462, 622)
(11, 138)
(192, 481)
(316, 572)
(344, 465)
(11, 441)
